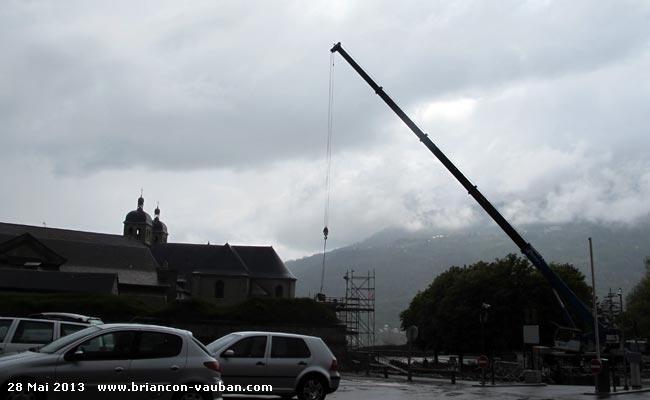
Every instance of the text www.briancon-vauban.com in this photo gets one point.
(150, 387)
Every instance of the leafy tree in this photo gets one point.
(448, 312)
(638, 303)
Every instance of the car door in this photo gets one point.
(5, 328)
(30, 333)
(159, 359)
(244, 362)
(103, 359)
(289, 357)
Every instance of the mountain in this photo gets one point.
(405, 262)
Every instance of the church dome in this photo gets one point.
(138, 216)
(158, 225)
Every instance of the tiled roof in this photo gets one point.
(187, 258)
(66, 234)
(263, 262)
(88, 249)
(251, 261)
(130, 258)
(45, 281)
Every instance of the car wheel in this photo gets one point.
(192, 395)
(312, 387)
(23, 394)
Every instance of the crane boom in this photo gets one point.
(526, 248)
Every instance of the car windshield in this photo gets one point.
(66, 340)
(217, 344)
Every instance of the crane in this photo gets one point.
(561, 289)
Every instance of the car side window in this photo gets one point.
(158, 345)
(110, 346)
(67, 329)
(4, 328)
(250, 347)
(288, 347)
(36, 332)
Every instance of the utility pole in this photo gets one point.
(602, 368)
(595, 308)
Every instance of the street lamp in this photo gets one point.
(483, 316)
(620, 316)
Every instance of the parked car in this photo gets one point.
(126, 354)
(20, 334)
(69, 317)
(293, 364)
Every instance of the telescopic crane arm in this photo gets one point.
(526, 248)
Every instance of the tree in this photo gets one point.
(638, 304)
(448, 312)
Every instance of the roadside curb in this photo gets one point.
(618, 393)
(510, 385)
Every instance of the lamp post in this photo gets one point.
(483, 318)
(620, 316)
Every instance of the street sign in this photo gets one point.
(412, 333)
(483, 361)
(596, 366)
(531, 334)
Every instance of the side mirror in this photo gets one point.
(228, 353)
(74, 355)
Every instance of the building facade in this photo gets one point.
(140, 263)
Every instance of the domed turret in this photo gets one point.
(138, 224)
(159, 228)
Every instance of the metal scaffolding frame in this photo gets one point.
(358, 310)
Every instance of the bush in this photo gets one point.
(277, 310)
(299, 310)
(124, 309)
(107, 307)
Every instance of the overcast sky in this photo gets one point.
(219, 111)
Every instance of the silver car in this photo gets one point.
(20, 334)
(69, 317)
(125, 361)
(293, 364)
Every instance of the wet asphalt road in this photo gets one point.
(378, 389)
(361, 388)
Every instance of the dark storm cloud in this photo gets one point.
(246, 86)
(543, 104)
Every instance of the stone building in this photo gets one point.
(139, 263)
(39, 259)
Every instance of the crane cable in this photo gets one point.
(328, 169)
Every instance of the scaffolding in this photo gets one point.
(356, 309)
(359, 312)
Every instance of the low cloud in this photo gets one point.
(220, 112)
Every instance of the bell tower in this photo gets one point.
(159, 228)
(138, 224)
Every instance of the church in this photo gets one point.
(140, 263)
